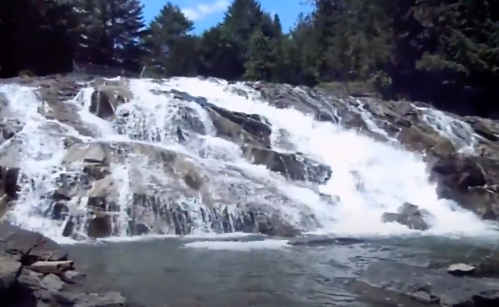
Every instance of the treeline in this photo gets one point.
(445, 52)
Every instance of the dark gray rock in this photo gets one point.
(290, 165)
(391, 282)
(20, 286)
(408, 215)
(9, 268)
(9, 127)
(17, 241)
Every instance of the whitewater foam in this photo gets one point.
(239, 246)
(369, 177)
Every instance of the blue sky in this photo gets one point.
(207, 13)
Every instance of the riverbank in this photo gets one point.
(36, 271)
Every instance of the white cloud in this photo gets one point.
(201, 10)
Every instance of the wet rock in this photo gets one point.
(9, 188)
(155, 206)
(306, 101)
(238, 127)
(9, 127)
(253, 218)
(234, 132)
(21, 284)
(408, 215)
(252, 123)
(471, 181)
(384, 281)
(9, 268)
(55, 91)
(485, 128)
(460, 269)
(17, 241)
(424, 139)
(106, 98)
(292, 166)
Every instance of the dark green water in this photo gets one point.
(170, 272)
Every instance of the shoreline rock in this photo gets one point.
(36, 271)
(395, 282)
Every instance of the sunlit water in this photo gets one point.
(369, 178)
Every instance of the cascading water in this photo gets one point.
(459, 133)
(368, 177)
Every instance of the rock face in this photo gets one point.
(462, 152)
(35, 271)
(113, 188)
(163, 187)
(395, 283)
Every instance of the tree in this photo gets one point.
(171, 48)
(242, 19)
(262, 59)
(38, 36)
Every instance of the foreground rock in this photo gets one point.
(395, 283)
(35, 271)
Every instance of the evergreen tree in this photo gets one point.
(242, 19)
(171, 47)
(262, 58)
(444, 52)
(217, 54)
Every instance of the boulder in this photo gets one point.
(9, 127)
(254, 124)
(304, 100)
(471, 181)
(237, 127)
(9, 188)
(290, 165)
(106, 98)
(34, 271)
(387, 281)
(422, 138)
(18, 241)
(408, 215)
(9, 269)
(231, 131)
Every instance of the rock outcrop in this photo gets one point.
(408, 215)
(36, 271)
(462, 152)
(400, 284)
(91, 200)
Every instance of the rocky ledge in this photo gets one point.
(397, 284)
(36, 272)
(461, 153)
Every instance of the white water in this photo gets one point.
(369, 177)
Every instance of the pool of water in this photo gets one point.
(253, 272)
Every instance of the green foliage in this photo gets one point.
(170, 47)
(262, 58)
(442, 51)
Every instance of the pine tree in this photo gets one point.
(242, 19)
(262, 58)
(170, 45)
